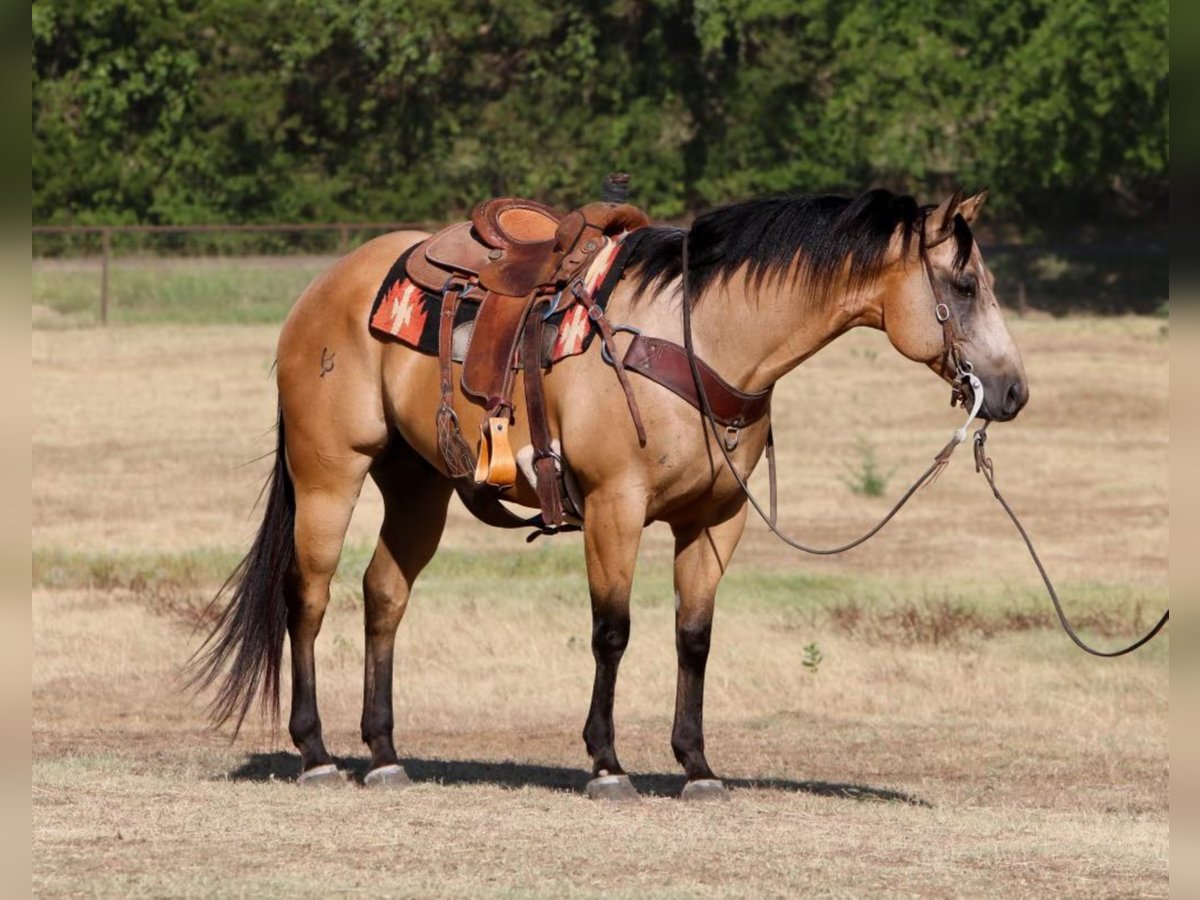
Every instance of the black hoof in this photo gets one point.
(322, 776)
(704, 789)
(388, 778)
(611, 787)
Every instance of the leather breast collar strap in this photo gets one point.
(668, 364)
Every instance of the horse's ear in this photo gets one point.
(939, 224)
(969, 209)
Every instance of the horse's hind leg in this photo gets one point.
(415, 499)
(327, 489)
(701, 556)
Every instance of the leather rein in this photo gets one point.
(966, 384)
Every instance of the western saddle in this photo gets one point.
(519, 259)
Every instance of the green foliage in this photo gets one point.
(230, 110)
(813, 657)
(866, 478)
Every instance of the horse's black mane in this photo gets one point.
(767, 233)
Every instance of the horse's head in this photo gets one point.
(943, 311)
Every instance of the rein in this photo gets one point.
(964, 376)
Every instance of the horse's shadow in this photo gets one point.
(283, 766)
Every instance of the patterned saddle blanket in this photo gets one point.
(406, 312)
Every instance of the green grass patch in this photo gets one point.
(866, 478)
(872, 608)
(176, 291)
(62, 570)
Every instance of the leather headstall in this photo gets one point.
(952, 364)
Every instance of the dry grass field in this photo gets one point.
(949, 742)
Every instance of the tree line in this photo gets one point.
(263, 110)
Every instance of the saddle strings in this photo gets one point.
(983, 464)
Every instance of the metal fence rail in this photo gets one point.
(106, 232)
(1125, 275)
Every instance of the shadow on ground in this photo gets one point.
(281, 766)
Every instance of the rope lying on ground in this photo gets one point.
(983, 463)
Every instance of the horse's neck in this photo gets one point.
(751, 337)
(755, 336)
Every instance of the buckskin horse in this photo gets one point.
(768, 283)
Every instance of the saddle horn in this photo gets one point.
(615, 188)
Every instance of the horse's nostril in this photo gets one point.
(1015, 397)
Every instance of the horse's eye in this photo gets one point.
(966, 286)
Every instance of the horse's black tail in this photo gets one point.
(244, 652)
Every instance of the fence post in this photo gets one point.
(106, 248)
(344, 236)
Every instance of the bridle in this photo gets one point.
(952, 357)
(964, 380)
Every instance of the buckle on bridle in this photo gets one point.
(942, 311)
(962, 372)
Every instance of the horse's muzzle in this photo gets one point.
(1003, 398)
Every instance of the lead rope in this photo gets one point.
(982, 464)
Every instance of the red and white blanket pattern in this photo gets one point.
(405, 311)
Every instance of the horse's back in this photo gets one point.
(345, 291)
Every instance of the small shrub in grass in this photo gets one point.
(812, 658)
(867, 478)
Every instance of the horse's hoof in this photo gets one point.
(327, 775)
(392, 778)
(704, 789)
(611, 787)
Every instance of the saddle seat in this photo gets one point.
(507, 221)
(512, 246)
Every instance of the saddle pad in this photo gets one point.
(405, 312)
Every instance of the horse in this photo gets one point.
(769, 282)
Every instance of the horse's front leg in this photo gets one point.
(701, 557)
(612, 531)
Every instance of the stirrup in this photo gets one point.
(496, 466)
